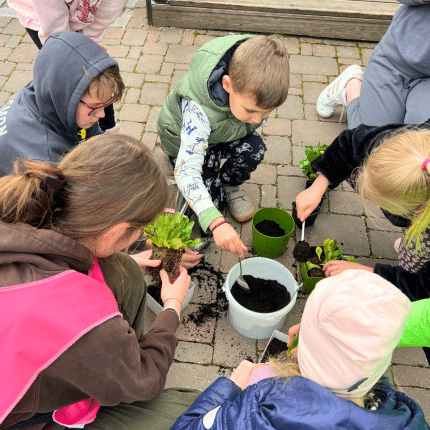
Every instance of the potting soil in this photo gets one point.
(274, 348)
(302, 251)
(265, 296)
(270, 228)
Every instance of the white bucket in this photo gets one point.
(256, 325)
(157, 308)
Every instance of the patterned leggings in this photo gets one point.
(242, 157)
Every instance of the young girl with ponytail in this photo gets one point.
(389, 165)
(73, 351)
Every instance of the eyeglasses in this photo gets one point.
(95, 109)
(145, 236)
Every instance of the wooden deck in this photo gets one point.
(335, 19)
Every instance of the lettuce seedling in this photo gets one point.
(311, 154)
(331, 252)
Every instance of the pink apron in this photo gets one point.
(38, 322)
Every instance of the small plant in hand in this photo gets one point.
(311, 154)
(170, 234)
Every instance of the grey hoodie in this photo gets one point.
(40, 121)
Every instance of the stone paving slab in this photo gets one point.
(152, 61)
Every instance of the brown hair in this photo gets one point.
(393, 178)
(259, 67)
(107, 84)
(110, 178)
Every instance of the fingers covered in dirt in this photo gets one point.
(225, 237)
(190, 258)
(143, 259)
(292, 331)
(173, 294)
(336, 267)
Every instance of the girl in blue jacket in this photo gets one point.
(350, 326)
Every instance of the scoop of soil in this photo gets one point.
(274, 348)
(270, 228)
(302, 251)
(266, 295)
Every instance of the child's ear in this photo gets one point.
(226, 83)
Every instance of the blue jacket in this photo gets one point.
(297, 404)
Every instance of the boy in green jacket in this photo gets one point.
(233, 84)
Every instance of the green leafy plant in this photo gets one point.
(171, 231)
(170, 234)
(311, 154)
(331, 252)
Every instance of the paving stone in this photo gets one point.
(167, 69)
(348, 52)
(268, 196)
(4, 21)
(17, 80)
(288, 188)
(132, 79)
(311, 112)
(366, 53)
(295, 80)
(230, 347)
(149, 63)
(382, 224)
(170, 35)
(422, 397)
(289, 171)
(189, 331)
(132, 95)
(188, 38)
(253, 192)
(311, 91)
(4, 53)
(180, 54)
(202, 376)
(13, 41)
(277, 127)
(127, 64)
(4, 97)
(292, 108)
(410, 357)
(264, 174)
(292, 45)
(307, 133)
(409, 376)
(155, 48)
(158, 78)
(151, 123)
(114, 32)
(153, 35)
(305, 49)
(134, 129)
(118, 51)
(177, 76)
(153, 94)
(278, 150)
(134, 112)
(134, 37)
(14, 27)
(6, 68)
(323, 50)
(298, 154)
(348, 61)
(4, 38)
(24, 66)
(191, 352)
(382, 243)
(201, 39)
(313, 65)
(342, 202)
(295, 92)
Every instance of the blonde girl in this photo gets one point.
(392, 164)
(73, 349)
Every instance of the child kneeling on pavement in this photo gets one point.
(233, 84)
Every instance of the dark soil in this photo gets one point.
(302, 251)
(170, 261)
(270, 228)
(274, 348)
(266, 295)
(316, 273)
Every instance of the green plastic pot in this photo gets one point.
(267, 246)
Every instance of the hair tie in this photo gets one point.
(425, 162)
(53, 187)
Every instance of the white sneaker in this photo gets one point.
(334, 95)
(239, 205)
(397, 243)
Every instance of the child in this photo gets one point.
(394, 173)
(42, 18)
(73, 80)
(350, 326)
(72, 307)
(233, 84)
(396, 83)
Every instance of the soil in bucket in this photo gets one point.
(275, 347)
(270, 228)
(266, 295)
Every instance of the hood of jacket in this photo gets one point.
(29, 254)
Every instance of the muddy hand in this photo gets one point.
(143, 259)
(336, 267)
(190, 258)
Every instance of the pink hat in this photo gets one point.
(350, 326)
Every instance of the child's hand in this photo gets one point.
(143, 260)
(225, 237)
(174, 294)
(190, 258)
(335, 267)
(243, 372)
(292, 331)
(308, 200)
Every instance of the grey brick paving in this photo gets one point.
(152, 61)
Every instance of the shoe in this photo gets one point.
(239, 205)
(334, 95)
(115, 129)
(397, 243)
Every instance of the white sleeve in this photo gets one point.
(189, 163)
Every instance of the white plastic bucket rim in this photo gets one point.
(256, 325)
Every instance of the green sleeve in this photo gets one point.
(417, 328)
(207, 216)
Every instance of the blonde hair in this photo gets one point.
(393, 179)
(110, 178)
(287, 366)
(259, 67)
(107, 84)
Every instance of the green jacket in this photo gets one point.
(417, 327)
(203, 84)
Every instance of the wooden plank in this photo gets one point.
(359, 8)
(325, 26)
